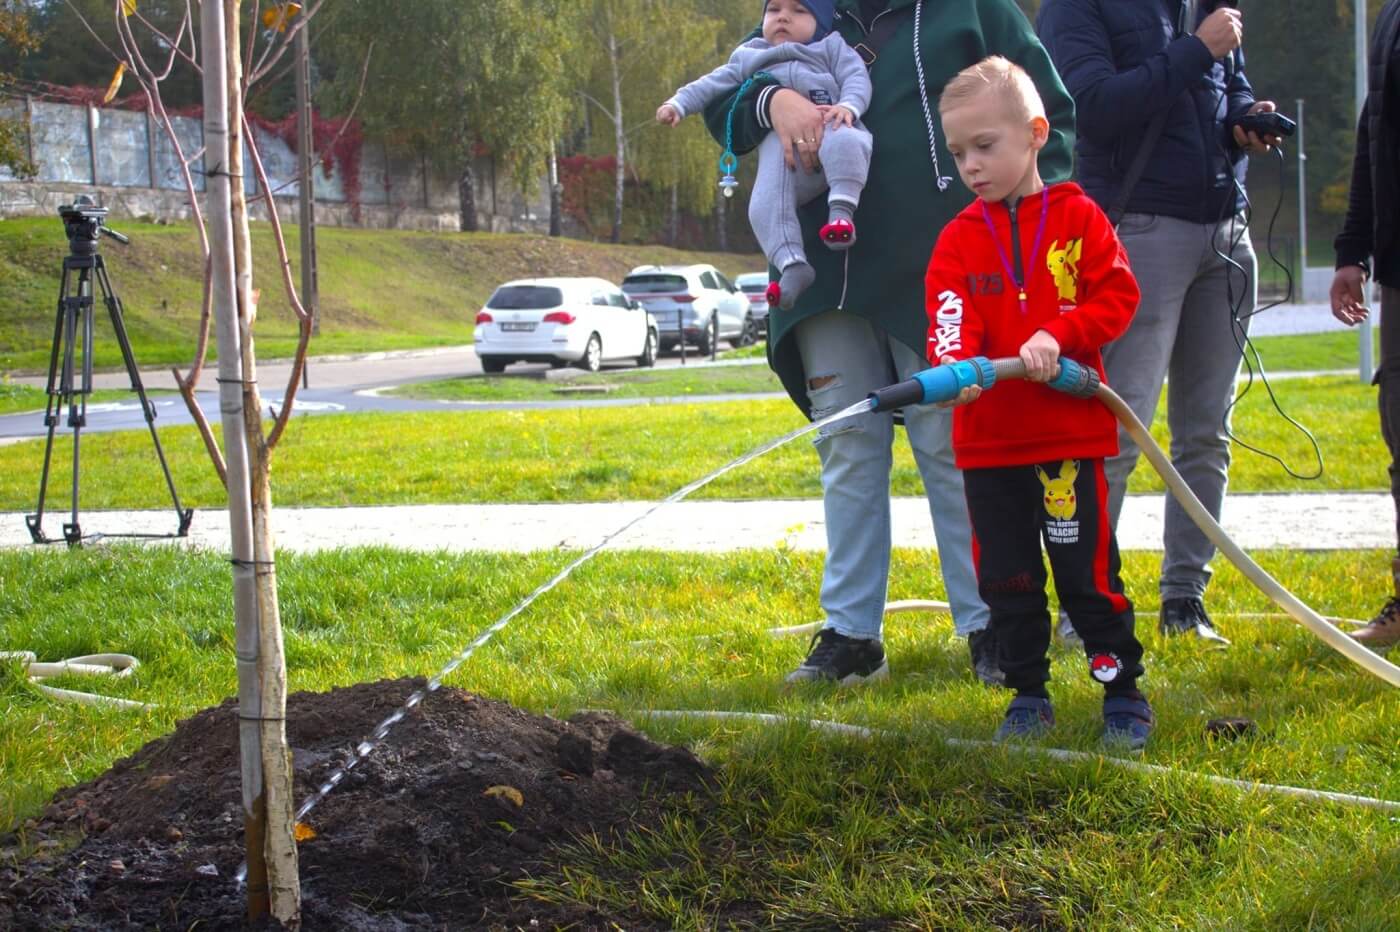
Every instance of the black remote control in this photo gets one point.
(1267, 124)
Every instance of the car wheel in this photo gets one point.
(749, 335)
(592, 359)
(493, 364)
(648, 357)
(709, 337)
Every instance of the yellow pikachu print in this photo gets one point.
(1060, 502)
(1064, 265)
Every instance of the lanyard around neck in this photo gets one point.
(1020, 282)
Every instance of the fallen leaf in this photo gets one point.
(303, 832)
(509, 792)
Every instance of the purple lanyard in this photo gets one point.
(1035, 248)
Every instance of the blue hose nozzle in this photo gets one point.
(944, 383)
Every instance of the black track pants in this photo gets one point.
(1065, 504)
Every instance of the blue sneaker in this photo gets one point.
(1127, 721)
(1026, 717)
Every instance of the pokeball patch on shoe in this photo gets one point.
(1105, 667)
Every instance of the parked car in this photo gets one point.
(694, 304)
(754, 285)
(563, 320)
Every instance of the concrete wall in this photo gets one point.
(128, 163)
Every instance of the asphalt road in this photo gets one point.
(348, 384)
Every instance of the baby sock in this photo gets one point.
(796, 278)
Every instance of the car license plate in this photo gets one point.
(517, 326)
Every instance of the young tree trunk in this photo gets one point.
(273, 884)
(466, 197)
(620, 137)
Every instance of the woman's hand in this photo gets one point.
(798, 122)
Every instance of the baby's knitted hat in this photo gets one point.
(823, 10)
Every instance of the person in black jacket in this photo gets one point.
(1370, 244)
(1162, 81)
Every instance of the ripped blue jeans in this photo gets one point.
(845, 358)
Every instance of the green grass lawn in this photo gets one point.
(1332, 349)
(380, 289)
(646, 452)
(810, 830)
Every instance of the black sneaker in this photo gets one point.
(1187, 616)
(835, 658)
(983, 647)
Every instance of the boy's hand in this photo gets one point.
(1041, 354)
(836, 115)
(966, 396)
(667, 114)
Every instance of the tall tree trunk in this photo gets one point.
(722, 223)
(466, 197)
(556, 192)
(273, 884)
(673, 229)
(620, 136)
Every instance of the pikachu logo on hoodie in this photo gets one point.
(1063, 264)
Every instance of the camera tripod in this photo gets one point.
(70, 363)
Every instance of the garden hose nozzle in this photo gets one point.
(944, 383)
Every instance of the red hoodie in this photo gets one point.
(1077, 287)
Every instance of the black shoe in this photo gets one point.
(1187, 616)
(983, 647)
(835, 658)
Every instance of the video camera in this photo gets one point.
(84, 221)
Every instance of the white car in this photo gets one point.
(694, 304)
(563, 320)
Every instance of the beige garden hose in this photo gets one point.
(116, 665)
(1335, 638)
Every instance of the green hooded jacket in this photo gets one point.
(902, 210)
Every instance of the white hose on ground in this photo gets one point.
(1335, 638)
(117, 665)
(858, 731)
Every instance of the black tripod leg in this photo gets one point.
(53, 409)
(77, 407)
(114, 310)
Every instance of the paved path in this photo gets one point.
(1319, 520)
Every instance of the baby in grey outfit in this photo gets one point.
(799, 49)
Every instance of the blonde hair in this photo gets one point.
(1006, 79)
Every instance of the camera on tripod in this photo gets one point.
(84, 282)
(84, 221)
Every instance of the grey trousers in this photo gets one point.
(778, 191)
(1185, 332)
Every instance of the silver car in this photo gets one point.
(754, 285)
(694, 304)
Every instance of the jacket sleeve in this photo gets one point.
(1355, 243)
(1108, 293)
(1112, 104)
(1007, 32)
(852, 79)
(723, 81)
(748, 113)
(1239, 92)
(954, 329)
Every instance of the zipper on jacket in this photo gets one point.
(1019, 275)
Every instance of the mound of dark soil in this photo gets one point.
(411, 839)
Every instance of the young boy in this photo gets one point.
(799, 49)
(1032, 271)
